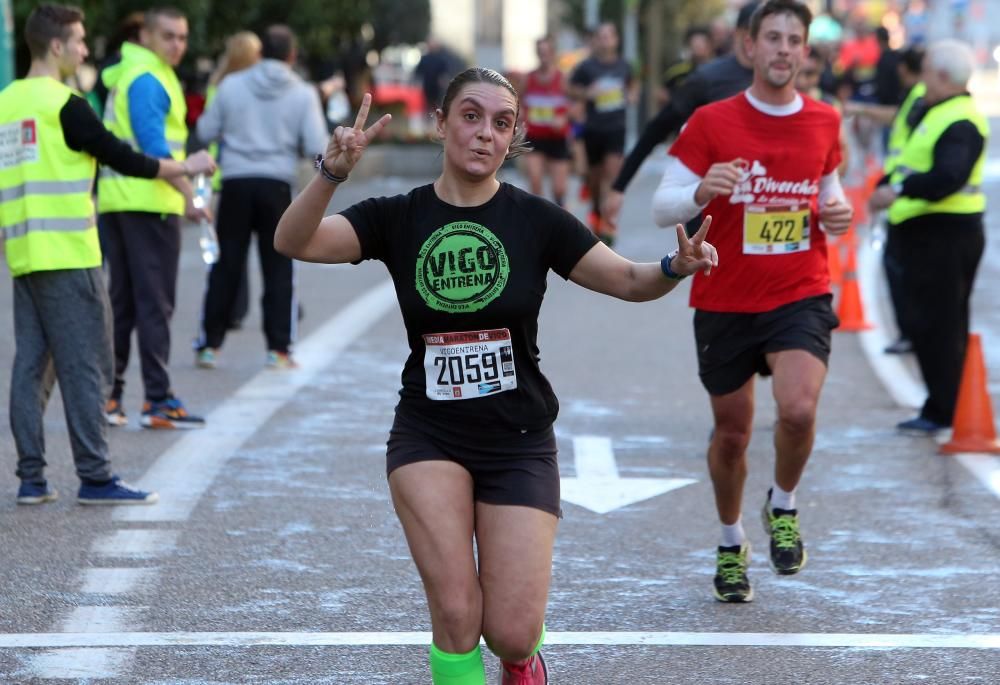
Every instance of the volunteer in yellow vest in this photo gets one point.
(936, 203)
(50, 141)
(140, 219)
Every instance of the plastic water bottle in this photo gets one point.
(208, 240)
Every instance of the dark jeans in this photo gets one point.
(940, 256)
(247, 206)
(62, 331)
(142, 252)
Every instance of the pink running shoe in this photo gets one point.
(530, 672)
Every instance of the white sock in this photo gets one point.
(780, 499)
(733, 535)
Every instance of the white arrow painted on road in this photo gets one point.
(597, 485)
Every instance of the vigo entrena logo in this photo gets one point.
(461, 267)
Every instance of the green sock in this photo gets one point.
(457, 669)
(538, 647)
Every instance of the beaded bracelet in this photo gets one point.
(332, 178)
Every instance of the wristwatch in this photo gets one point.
(667, 271)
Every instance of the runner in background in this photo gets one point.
(764, 163)
(546, 117)
(604, 84)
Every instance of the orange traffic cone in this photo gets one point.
(833, 260)
(850, 310)
(973, 429)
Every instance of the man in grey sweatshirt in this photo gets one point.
(266, 118)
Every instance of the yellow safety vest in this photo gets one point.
(900, 130)
(918, 157)
(119, 193)
(46, 209)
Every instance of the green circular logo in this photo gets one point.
(461, 267)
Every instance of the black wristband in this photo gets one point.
(667, 271)
(332, 178)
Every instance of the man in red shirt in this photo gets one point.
(763, 164)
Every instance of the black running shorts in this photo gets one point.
(600, 144)
(556, 149)
(522, 471)
(732, 346)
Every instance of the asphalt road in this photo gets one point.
(275, 556)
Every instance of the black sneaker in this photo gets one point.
(731, 581)
(788, 555)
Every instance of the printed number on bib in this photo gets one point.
(460, 366)
(778, 229)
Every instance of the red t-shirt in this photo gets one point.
(771, 251)
(545, 107)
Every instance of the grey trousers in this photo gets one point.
(62, 330)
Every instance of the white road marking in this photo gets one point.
(79, 663)
(183, 473)
(135, 544)
(97, 619)
(906, 390)
(251, 639)
(985, 467)
(598, 486)
(116, 581)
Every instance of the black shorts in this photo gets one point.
(600, 144)
(732, 346)
(556, 149)
(522, 471)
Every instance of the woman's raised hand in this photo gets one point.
(695, 254)
(347, 144)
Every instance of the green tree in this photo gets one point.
(324, 27)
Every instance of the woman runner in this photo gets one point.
(472, 453)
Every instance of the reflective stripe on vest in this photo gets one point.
(900, 130)
(918, 157)
(118, 193)
(44, 188)
(47, 224)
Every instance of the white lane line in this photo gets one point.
(183, 473)
(116, 581)
(135, 544)
(251, 639)
(98, 619)
(985, 467)
(79, 663)
(906, 390)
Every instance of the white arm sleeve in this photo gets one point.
(673, 201)
(829, 186)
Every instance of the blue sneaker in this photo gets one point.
(169, 413)
(920, 426)
(36, 493)
(115, 491)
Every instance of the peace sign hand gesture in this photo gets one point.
(348, 144)
(694, 254)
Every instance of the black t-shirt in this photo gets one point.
(610, 81)
(472, 269)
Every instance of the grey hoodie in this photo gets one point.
(266, 119)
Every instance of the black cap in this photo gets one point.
(743, 18)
